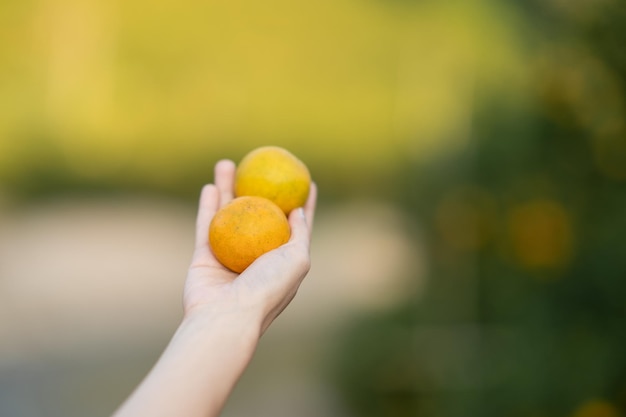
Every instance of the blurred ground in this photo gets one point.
(90, 293)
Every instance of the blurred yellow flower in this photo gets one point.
(596, 408)
(541, 234)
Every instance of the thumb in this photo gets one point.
(299, 228)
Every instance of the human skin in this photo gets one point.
(225, 314)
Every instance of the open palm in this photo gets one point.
(269, 283)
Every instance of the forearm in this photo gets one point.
(198, 369)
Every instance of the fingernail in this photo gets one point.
(301, 212)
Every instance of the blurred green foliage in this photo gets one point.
(525, 308)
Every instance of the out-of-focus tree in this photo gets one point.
(526, 303)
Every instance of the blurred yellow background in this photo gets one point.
(468, 256)
(142, 89)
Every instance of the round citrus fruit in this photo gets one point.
(276, 174)
(246, 228)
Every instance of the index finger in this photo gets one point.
(225, 180)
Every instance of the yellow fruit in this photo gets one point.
(245, 229)
(276, 174)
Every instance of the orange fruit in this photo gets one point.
(246, 228)
(276, 174)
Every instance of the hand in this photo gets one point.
(267, 286)
(225, 313)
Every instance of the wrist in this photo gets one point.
(239, 327)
